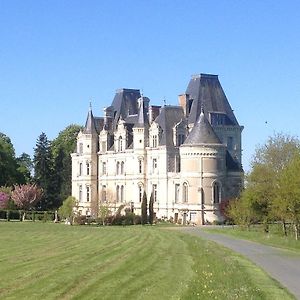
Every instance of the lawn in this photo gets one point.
(274, 238)
(56, 261)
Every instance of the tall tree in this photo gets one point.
(25, 166)
(151, 210)
(61, 149)
(144, 209)
(43, 172)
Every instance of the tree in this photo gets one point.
(103, 213)
(4, 200)
(25, 166)
(43, 172)
(61, 149)
(151, 211)
(287, 203)
(144, 209)
(66, 211)
(26, 196)
(9, 173)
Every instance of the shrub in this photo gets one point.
(80, 220)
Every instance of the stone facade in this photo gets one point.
(188, 156)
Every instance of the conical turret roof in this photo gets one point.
(202, 133)
(90, 126)
(142, 119)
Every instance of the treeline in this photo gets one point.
(50, 169)
(272, 187)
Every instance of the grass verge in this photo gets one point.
(54, 261)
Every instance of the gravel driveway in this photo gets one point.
(283, 265)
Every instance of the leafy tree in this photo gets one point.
(61, 149)
(103, 213)
(43, 172)
(66, 211)
(287, 202)
(144, 209)
(25, 166)
(151, 210)
(26, 196)
(9, 174)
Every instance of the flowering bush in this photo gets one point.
(4, 199)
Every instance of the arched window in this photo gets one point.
(80, 193)
(120, 144)
(122, 193)
(177, 189)
(140, 166)
(185, 192)
(87, 168)
(216, 192)
(117, 193)
(104, 193)
(140, 192)
(80, 169)
(122, 167)
(202, 197)
(87, 193)
(118, 168)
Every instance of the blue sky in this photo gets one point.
(56, 55)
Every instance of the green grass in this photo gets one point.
(273, 238)
(55, 261)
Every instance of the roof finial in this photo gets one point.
(90, 108)
(164, 100)
(142, 93)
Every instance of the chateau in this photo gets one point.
(187, 156)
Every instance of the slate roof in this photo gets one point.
(231, 164)
(142, 119)
(207, 91)
(90, 126)
(125, 103)
(202, 133)
(168, 117)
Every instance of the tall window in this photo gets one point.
(154, 164)
(180, 139)
(216, 192)
(140, 193)
(122, 193)
(87, 169)
(120, 144)
(122, 167)
(80, 169)
(118, 168)
(118, 193)
(104, 193)
(80, 193)
(202, 197)
(177, 189)
(140, 166)
(185, 192)
(87, 193)
(154, 141)
(103, 168)
(154, 191)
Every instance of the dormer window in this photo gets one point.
(154, 141)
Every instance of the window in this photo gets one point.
(103, 146)
(122, 193)
(87, 193)
(202, 197)
(177, 164)
(80, 193)
(118, 168)
(87, 169)
(180, 139)
(118, 193)
(122, 167)
(154, 164)
(154, 191)
(177, 189)
(80, 169)
(154, 141)
(140, 166)
(216, 192)
(120, 144)
(104, 168)
(80, 148)
(185, 192)
(104, 193)
(140, 193)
